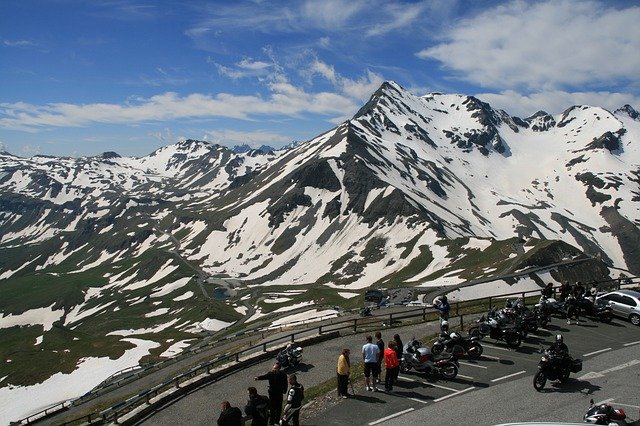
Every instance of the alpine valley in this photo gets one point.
(131, 259)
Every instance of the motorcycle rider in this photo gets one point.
(560, 350)
(442, 305)
(547, 292)
(565, 289)
(444, 329)
(277, 388)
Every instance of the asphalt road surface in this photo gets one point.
(494, 389)
(498, 388)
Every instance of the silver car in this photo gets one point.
(624, 303)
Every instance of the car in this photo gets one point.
(624, 303)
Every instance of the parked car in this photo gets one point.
(624, 303)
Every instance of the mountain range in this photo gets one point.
(411, 191)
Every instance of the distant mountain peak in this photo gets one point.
(628, 110)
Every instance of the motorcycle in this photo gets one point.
(599, 310)
(420, 359)
(365, 312)
(550, 306)
(605, 414)
(457, 343)
(555, 367)
(289, 357)
(497, 327)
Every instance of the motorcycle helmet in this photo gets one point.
(444, 326)
(559, 338)
(455, 336)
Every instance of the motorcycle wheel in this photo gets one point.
(606, 318)
(513, 340)
(542, 322)
(437, 348)
(474, 332)
(449, 371)
(539, 380)
(475, 350)
(565, 376)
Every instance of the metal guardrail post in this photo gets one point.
(461, 322)
(355, 324)
(490, 302)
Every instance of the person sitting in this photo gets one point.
(442, 305)
(560, 351)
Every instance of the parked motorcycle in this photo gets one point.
(550, 306)
(289, 356)
(605, 414)
(599, 310)
(456, 343)
(555, 367)
(418, 358)
(365, 312)
(497, 327)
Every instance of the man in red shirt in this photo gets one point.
(392, 365)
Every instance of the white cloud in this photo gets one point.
(285, 99)
(18, 43)
(555, 102)
(541, 46)
(399, 16)
(245, 68)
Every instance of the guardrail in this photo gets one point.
(228, 363)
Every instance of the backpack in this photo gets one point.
(262, 407)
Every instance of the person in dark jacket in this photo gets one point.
(295, 395)
(277, 388)
(399, 346)
(380, 344)
(229, 416)
(547, 292)
(257, 407)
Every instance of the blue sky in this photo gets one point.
(83, 77)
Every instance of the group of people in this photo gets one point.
(267, 410)
(373, 356)
(571, 295)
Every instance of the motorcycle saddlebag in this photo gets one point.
(576, 366)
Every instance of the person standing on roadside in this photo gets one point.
(380, 344)
(229, 416)
(295, 395)
(392, 365)
(257, 407)
(343, 369)
(565, 290)
(399, 346)
(370, 356)
(277, 388)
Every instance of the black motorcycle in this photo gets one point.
(599, 310)
(289, 357)
(365, 312)
(497, 327)
(455, 342)
(555, 367)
